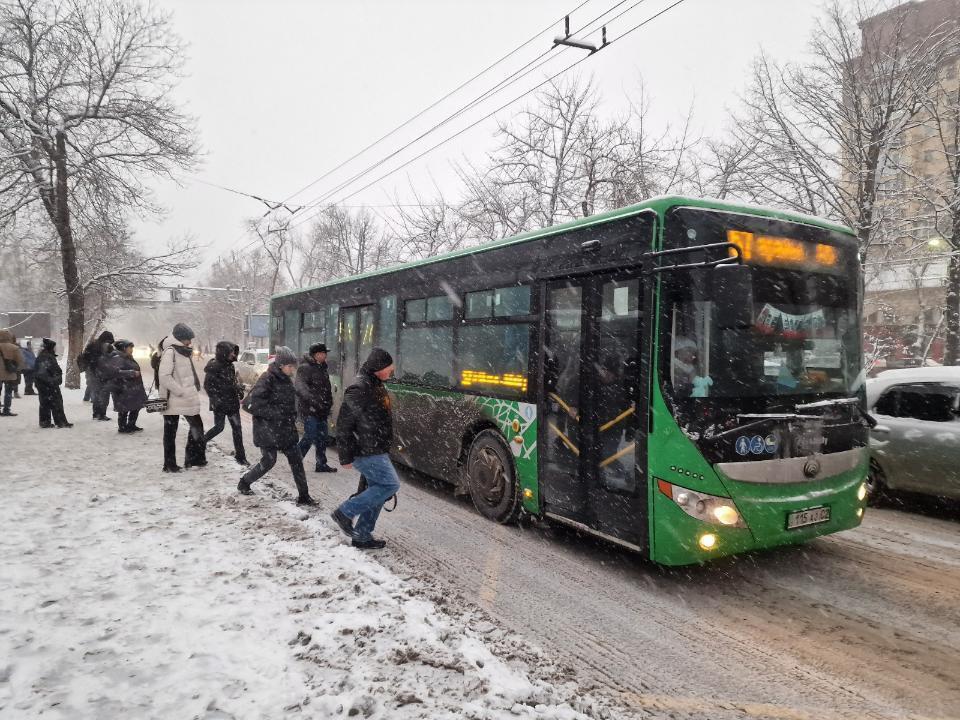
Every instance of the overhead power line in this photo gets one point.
(397, 128)
(513, 78)
(650, 19)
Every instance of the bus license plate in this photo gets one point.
(802, 518)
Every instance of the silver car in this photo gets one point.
(251, 365)
(915, 445)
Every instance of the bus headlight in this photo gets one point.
(706, 508)
(862, 492)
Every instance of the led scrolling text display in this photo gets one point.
(783, 252)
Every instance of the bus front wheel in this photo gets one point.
(490, 478)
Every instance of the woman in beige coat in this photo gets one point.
(180, 384)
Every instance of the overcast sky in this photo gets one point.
(283, 90)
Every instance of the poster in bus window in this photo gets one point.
(772, 321)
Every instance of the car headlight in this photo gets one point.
(706, 508)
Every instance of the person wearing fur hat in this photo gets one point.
(224, 392)
(364, 434)
(180, 384)
(314, 400)
(11, 363)
(48, 377)
(126, 384)
(273, 404)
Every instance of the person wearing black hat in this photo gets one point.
(180, 384)
(126, 384)
(273, 404)
(48, 377)
(314, 400)
(224, 392)
(364, 434)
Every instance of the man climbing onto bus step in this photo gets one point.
(364, 434)
(314, 400)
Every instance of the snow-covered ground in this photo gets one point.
(130, 593)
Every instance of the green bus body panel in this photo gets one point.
(513, 418)
(671, 455)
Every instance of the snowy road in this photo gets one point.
(864, 624)
(129, 591)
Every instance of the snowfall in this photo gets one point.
(131, 593)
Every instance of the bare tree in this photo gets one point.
(937, 194)
(820, 131)
(341, 243)
(86, 117)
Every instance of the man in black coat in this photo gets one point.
(364, 434)
(273, 404)
(48, 377)
(314, 400)
(223, 390)
(93, 355)
(122, 375)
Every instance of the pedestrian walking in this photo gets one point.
(96, 351)
(314, 400)
(126, 385)
(155, 362)
(273, 404)
(364, 434)
(179, 382)
(29, 363)
(48, 377)
(224, 391)
(11, 362)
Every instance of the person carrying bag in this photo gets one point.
(178, 379)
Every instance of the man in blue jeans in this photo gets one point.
(364, 434)
(314, 400)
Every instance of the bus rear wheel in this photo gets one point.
(491, 479)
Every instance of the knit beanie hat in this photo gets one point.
(285, 356)
(377, 360)
(182, 332)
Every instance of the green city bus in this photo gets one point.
(682, 377)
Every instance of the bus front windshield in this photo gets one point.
(803, 341)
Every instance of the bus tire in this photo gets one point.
(491, 479)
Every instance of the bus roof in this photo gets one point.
(659, 204)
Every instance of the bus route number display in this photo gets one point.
(780, 251)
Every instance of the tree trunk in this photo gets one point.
(952, 353)
(68, 259)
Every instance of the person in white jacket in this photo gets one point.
(180, 384)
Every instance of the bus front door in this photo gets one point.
(590, 430)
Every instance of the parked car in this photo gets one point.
(915, 445)
(251, 364)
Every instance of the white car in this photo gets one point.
(251, 365)
(915, 445)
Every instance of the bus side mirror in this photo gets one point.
(732, 293)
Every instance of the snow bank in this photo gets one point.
(128, 592)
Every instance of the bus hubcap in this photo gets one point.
(490, 476)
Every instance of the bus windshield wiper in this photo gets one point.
(853, 402)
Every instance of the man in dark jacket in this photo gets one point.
(48, 377)
(314, 400)
(364, 434)
(223, 390)
(29, 365)
(273, 404)
(122, 375)
(96, 351)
